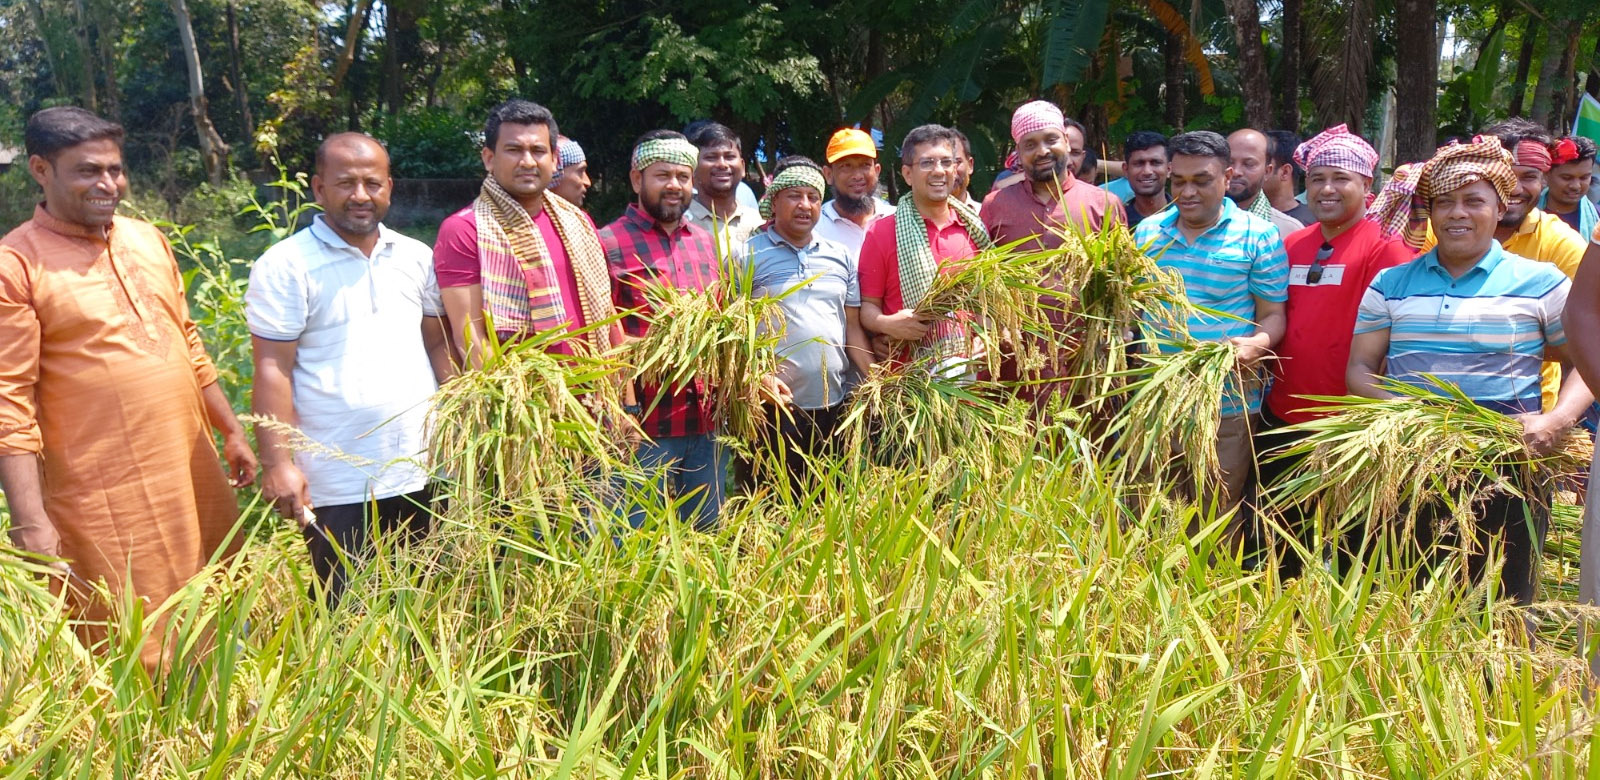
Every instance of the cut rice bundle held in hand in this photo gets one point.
(1174, 406)
(723, 338)
(1384, 460)
(529, 425)
(912, 414)
(1001, 294)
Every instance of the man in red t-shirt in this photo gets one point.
(934, 231)
(1331, 263)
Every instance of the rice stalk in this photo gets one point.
(1174, 408)
(1001, 295)
(1386, 460)
(528, 425)
(723, 339)
(913, 414)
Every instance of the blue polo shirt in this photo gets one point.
(1224, 269)
(1485, 332)
(816, 282)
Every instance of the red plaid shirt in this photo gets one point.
(638, 253)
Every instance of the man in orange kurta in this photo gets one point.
(106, 459)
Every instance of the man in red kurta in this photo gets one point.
(106, 390)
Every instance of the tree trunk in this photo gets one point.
(213, 152)
(1519, 82)
(52, 55)
(1591, 83)
(1416, 80)
(241, 94)
(1172, 54)
(86, 57)
(1566, 96)
(1549, 71)
(1253, 80)
(352, 42)
(1289, 68)
(875, 68)
(400, 47)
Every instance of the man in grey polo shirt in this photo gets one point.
(349, 344)
(821, 307)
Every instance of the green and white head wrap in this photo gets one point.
(677, 151)
(789, 178)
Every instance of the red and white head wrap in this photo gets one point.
(1337, 147)
(1034, 116)
(1566, 151)
(1533, 154)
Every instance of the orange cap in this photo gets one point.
(850, 141)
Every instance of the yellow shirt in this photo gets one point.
(1543, 237)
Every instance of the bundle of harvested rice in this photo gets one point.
(1002, 295)
(1174, 405)
(915, 414)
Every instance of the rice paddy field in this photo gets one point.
(967, 594)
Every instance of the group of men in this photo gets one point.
(354, 326)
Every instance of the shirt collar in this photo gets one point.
(326, 234)
(48, 221)
(1490, 260)
(1530, 223)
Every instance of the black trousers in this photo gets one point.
(797, 433)
(1294, 524)
(1517, 527)
(347, 529)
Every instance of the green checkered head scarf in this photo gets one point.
(668, 150)
(789, 178)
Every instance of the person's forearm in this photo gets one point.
(1362, 380)
(856, 346)
(1573, 401)
(436, 341)
(1272, 327)
(31, 528)
(274, 399)
(219, 412)
(870, 314)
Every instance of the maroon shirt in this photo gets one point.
(640, 253)
(1014, 213)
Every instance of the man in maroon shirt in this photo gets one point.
(1052, 197)
(1331, 263)
(652, 243)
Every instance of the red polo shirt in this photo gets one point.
(1321, 317)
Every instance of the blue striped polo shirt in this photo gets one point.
(1485, 332)
(1224, 269)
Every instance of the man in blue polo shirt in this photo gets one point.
(821, 301)
(1231, 261)
(1483, 319)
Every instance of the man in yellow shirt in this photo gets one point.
(1527, 231)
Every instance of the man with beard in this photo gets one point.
(349, 343)
(1144, 158)
(1232, 264)
(1249, 149)
(1477, 316)
(1567, 186)
(653, 243)
(1279, 186)
(107, 396)
(821, 299)
(530, 262)
(1052, 197)
(901, 257)
(572, 172)
(852, 171)
(1331, 263)
(716, 206)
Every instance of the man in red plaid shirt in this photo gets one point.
(652, 243)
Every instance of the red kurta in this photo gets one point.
(100, 375)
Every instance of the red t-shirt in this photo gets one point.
(1014, 213)
(879, 267)
(455, 262)
(1321, 318)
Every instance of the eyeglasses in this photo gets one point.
(929, 163)
(1324, 254)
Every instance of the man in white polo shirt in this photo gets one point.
(349, 345)
(852, 171)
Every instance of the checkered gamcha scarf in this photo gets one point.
(918, 267)
(520, 289)
(1403, 205)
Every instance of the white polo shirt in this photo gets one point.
(362, 380)
(833, 226)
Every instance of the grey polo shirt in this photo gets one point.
(822, 276)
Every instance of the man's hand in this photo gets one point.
(1250, 350)
(905, 325)
(776, 391)
(241, 460)
(285, 487)
(1542, 433)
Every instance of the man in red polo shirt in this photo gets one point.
(1331, 263)
(900, 257)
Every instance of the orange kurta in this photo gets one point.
(100, 375)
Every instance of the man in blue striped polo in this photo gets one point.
(1231, 261)
(1474, 315)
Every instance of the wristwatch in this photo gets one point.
(634, 410)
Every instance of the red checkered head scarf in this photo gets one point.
(1034, 116)
(1532, 154)
(1402, 207)
(1337, 147)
